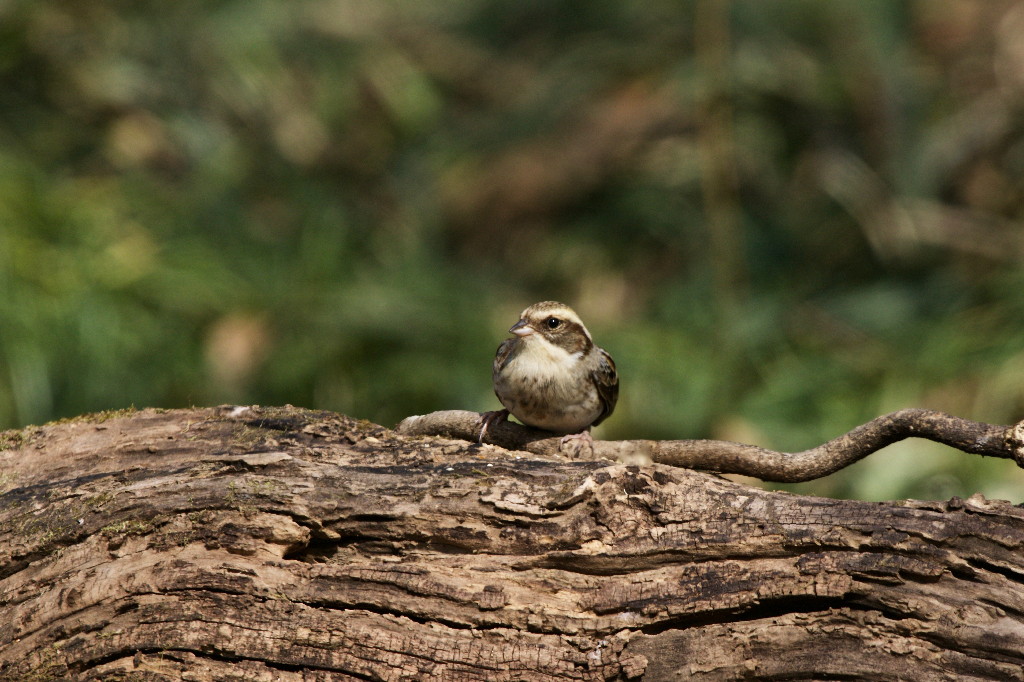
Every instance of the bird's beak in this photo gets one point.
(521, 328)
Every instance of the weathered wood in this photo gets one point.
(285, 544)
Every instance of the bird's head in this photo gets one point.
(554, 322)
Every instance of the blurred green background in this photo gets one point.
(782, 218)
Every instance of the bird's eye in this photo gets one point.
(552, 322)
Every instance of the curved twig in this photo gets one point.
(726, 457)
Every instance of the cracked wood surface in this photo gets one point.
(286, 544)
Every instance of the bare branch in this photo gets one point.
(726, 457)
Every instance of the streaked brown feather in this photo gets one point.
(504, 354)
(606, 379)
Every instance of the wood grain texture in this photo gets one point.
(286, 544)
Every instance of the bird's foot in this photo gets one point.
(581, 441)
(487, 419)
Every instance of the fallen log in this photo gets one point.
(254, 543)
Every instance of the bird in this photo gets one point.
(551, 375)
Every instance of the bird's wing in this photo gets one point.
(606, 380)
(503, 355)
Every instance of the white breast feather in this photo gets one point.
(543, 358)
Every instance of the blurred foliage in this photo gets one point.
(782, 217)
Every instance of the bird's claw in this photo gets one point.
(583, 440)
(487, 419)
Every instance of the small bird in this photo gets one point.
(550, 375)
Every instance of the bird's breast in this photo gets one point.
(545, 361)
(548, 387)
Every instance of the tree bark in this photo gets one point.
(286, 544)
